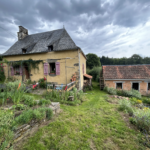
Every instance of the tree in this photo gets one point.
(92, 61)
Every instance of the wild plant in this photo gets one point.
(44, 102)
(125, 105)
(6, 135)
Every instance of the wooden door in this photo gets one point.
(27, 73)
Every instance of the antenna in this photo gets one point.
(63, 26)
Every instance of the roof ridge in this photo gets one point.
(45, 32)
(127, 65)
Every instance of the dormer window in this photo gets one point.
(24, 51)
(50, 48)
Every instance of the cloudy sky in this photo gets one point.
(114, 28)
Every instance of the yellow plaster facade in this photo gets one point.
(67, 60)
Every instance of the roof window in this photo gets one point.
(24, 51)
(50, 48)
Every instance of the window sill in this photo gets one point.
(52, 74)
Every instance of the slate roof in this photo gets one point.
(126, 72)
(38, 43)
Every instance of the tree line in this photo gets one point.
(133, 60)
(94, 61)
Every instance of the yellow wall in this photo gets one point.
(37, 74)
(82, 61)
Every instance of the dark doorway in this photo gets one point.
(27, 72)
(135, 86)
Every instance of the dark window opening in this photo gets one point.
(17, 70)
(135, 86)
(148, 86)
(118, 85)
(24, 51)
(50, 48)
(52, 68)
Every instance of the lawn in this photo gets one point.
(96, 125)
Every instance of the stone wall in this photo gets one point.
(127, 85)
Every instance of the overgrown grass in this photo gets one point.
(96, 124)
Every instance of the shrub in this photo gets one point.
(142, 119)
(29, 100)
(95, 73)
(42, 83)
(125, 105)
(6, 135)
(2, 74)
(36, 114)
(131, 93)
(146, 100)
(19, 107)
(44, 102)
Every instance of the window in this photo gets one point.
(148, 86)
(16, 70)
(24, 51)
(50, 48)
(135, 86)
(118, 85)
(52, 68)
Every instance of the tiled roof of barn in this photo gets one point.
(38, 43)
(126, 71)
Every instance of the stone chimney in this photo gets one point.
(23, 32)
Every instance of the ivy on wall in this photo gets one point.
(31, 64)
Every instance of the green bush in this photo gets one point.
(36, 114)
(125, 105)
(62, 97)
(2, 74)
(19, 107)
(44, 102)
(142, 119)
(29, 100)
(6, 135)
(42, 83)
(131, 93)
(95, 73)
(146, 100)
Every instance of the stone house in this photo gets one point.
(126, 77)
(58, 56)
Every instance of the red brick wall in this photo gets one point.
(127, 85)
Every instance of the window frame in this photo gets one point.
(50, 68)
(121, 85)
(16, 69)
(138, 86)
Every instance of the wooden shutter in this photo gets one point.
(57, 68)
(45, 68)
(12, 71)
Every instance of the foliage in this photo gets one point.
(95, 73)
(44, 102)
(125, 105)
(62, 97)
(111, 91)
(36, 114)
(130, 93)
(2, 74)
(6, 135)
(29, 100)
(42, 83)
(87, 88)
(134, 59)
(142, 119)
(146, 100)
(92, 61)
(19, 107)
